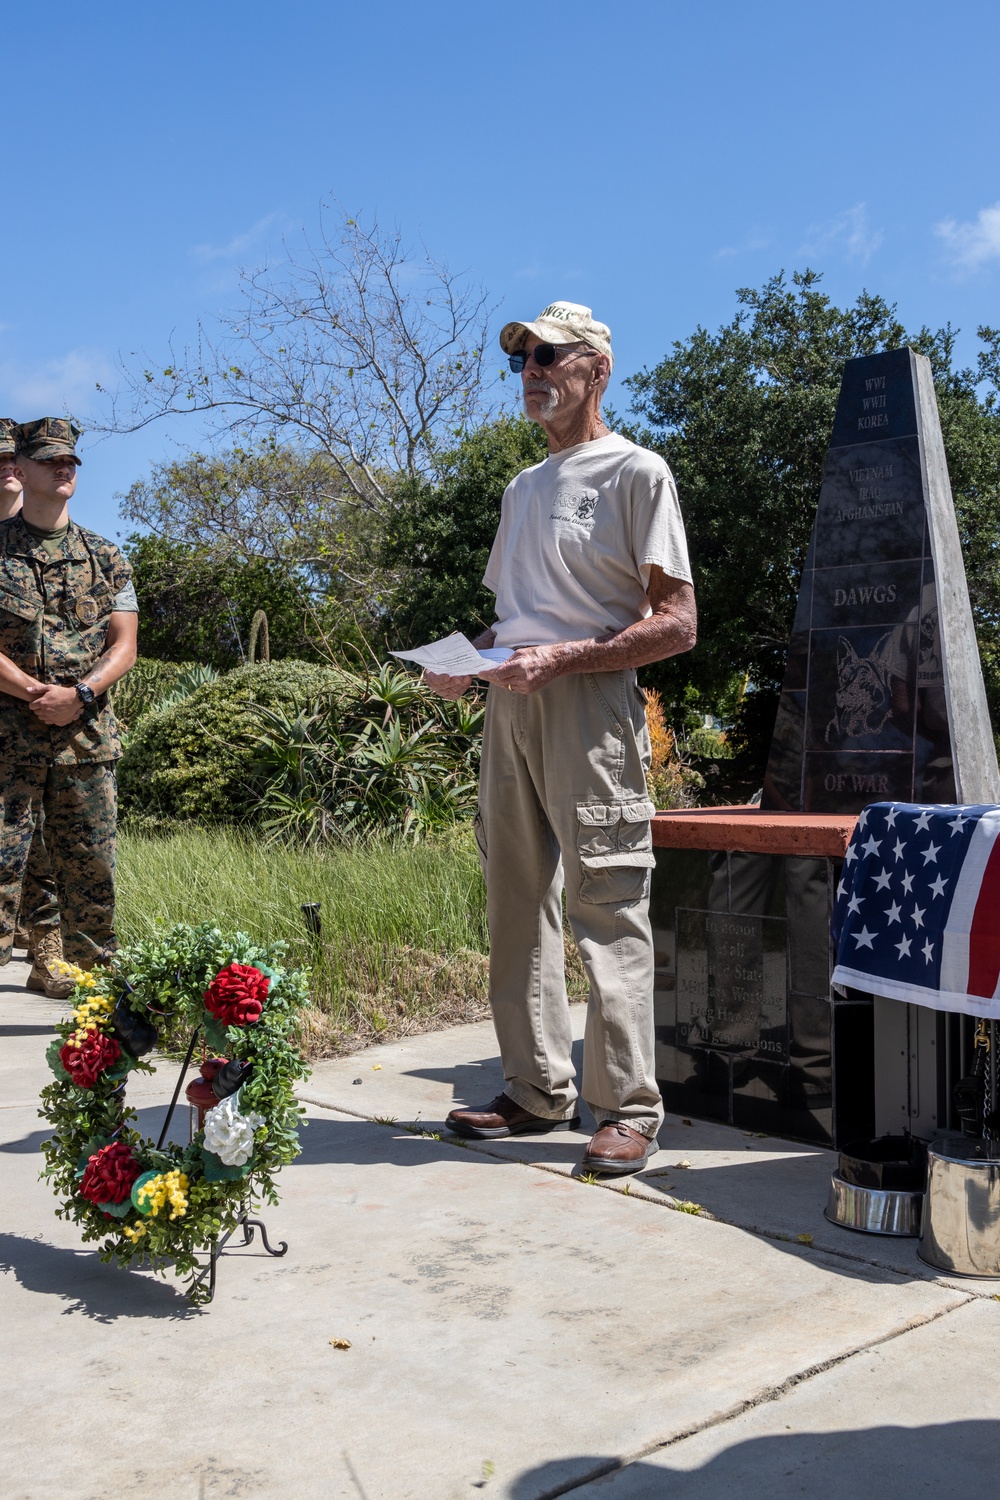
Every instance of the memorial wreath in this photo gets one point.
(169, 1203)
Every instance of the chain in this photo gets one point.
(983, 1040)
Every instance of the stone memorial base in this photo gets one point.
(748, 1030)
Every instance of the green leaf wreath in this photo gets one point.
(171, 1204)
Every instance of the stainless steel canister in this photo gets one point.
(874, 1210)
(961, 1223)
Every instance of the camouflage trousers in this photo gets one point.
(79, 806)
(39, 903)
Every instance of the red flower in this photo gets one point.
(86, 1063)
(109, 1174)
(236, 995)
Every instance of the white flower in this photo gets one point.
(230, 1134)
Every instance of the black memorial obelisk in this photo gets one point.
(883, 694)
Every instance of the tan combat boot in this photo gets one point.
(46, 947)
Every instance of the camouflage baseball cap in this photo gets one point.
(8, 435)
(49, 437)
(560, 323)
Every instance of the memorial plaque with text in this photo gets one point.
(732, 984)
(865, 712)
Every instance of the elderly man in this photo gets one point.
(591, 577)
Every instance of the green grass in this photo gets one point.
(404, 926)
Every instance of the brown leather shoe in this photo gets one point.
(502, 1117)
(617, 1149)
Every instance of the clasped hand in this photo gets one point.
(525, 672)
(54, 705)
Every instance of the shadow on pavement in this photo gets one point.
(88, 1286)
(39, 1030)
(28, 1145)
(368, 1143)
(896, 1463)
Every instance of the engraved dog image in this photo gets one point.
(864, 690)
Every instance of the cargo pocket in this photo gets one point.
(615, 844)
(479, 827)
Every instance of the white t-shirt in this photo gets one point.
(578, 535)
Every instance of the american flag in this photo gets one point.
(917, 915)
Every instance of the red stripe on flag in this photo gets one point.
(984, 934)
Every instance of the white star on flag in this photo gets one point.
(882, 881)
(854, 905)
(903, 947)
(922, 822)
(863, 817)
(851, 854)
(899, 849)
(938, 888)
(893, 913)
(918, 916)
(864, 938)
(907, 882)
(958, 824)
(872, 845)
(927, 950)
(890, 818)
(930, 854)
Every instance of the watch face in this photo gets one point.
(86, 694)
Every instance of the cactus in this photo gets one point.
(259, 637)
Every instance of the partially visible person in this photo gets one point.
(38, 921)
(10, 485)
(68, 623)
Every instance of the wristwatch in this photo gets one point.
(85, 694)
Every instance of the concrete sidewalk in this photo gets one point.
(515, 1331)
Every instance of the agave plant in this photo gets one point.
(400, 761)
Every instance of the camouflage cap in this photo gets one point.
(49, 437)
(560, 323)
(8, 435)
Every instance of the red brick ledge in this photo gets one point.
(750, 831)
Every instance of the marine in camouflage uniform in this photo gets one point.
(38, 922)
(58, 593)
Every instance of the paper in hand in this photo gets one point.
(456, 656)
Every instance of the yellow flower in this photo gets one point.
(70, 971)
(135, 1234)
(163, 1188)
(92, 1011)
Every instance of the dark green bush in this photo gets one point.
(195, 760)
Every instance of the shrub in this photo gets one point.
(195, 759)
(143, 689)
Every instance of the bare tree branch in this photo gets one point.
(351, 348)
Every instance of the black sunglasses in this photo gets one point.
(542, 354)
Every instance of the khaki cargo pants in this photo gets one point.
(563, 800)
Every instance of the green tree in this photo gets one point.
(437, 537)
(194, 606)
(743, 416)
(227, 533)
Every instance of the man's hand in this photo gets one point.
(56, 705)
(530, 668)
(447, 687)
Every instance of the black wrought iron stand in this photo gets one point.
(248, 1226)
(245, 1222)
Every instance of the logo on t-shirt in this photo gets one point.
(579, 507)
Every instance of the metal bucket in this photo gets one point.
(874, 1210)
(961, 1228)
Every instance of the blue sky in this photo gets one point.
(645, 157)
